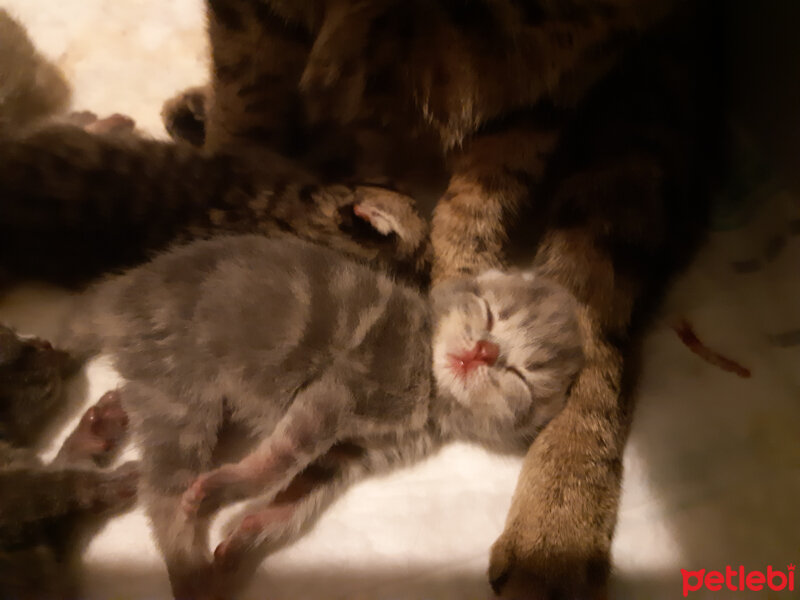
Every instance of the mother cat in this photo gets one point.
(577, 133)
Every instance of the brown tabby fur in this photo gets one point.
(579, 132)
(113, 200)
(575, 133)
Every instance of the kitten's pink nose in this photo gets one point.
(484, 353)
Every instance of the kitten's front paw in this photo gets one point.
(100, 431)
(530, 568)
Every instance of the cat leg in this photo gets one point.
(177, 440)
(561, 548)
(257, 59)
(492, 181)
(307, 430)
(285, 516)
(97, 434)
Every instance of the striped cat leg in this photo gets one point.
(258, 57)
(557, 538)
(169, 463)
(267, 526)
(491, 181)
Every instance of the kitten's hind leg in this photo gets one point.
(306, 432)
(177, 438)
(282, 518)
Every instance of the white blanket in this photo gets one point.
(713, 464)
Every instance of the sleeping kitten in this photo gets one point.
(45, 509)
(313, 355)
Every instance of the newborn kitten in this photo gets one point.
(43, 508)
(312, 352)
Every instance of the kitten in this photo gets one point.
(312, 354)
(44, 510)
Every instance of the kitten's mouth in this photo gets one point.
(463, 363)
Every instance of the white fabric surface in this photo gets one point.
(713, 464)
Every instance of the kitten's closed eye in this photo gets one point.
(518, 373)
(489, 316)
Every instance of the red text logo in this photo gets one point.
(738, 580)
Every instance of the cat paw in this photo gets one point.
(184, 116)
(99, 432)
(519, 573)
(252, 530)
(390, 213)
(213, 489)
(231, 551)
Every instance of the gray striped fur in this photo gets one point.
(306, 349)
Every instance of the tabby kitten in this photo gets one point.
(309, 352)
(45, 509)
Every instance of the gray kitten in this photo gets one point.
(334, 369)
